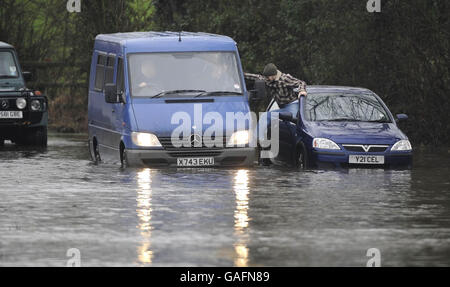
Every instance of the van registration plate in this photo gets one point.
(195, 161)
(11, 115)
(366, 159)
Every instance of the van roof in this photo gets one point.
(5, 45)
(165, 41)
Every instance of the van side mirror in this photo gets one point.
(288, 117)
(259, 91)
(27, 76)
(254, 96)
(111, 95)
(402, 117)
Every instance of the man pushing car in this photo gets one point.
(282, 87)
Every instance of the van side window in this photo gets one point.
(100, 72)
(109, 73)
(120, 77)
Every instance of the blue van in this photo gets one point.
(153, 97)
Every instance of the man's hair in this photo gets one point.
(270, 70)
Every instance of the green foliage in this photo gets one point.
(402, 53)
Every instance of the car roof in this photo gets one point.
(152, 38)
(5, 45)
(336, 89)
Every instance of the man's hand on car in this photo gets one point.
(302, 93)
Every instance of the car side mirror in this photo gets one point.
(27, 76)
(111, 95)
(402, 117)
(288, 117)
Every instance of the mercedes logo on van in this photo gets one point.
(196, 140)
(4, 104)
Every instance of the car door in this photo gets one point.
(287, 132)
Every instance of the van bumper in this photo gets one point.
(222, 157)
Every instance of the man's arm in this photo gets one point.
(253, 77)
(296, 83)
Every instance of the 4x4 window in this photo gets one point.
(8, 68)
(100, 72)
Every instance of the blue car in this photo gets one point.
(162, 99)
(340, 127)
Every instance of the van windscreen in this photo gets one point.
(152, 74)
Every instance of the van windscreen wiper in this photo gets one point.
(165, 93)
(7, 77)
(206, 94)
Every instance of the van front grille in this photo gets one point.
(195, 153)
(210, 143)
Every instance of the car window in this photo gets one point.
(100, 72)
(345, 107)
(8, 68)
(154, 73)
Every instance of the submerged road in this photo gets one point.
(56, 200)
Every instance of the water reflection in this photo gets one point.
(144, 213)
(241, 218)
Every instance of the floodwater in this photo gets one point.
(55, 200)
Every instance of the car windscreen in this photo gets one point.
(153, 74)
(8, 68)
(344, 107)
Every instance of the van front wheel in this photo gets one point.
(96, 154)
(123, 157)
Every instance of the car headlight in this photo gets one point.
(21, 103)
(239, 138)
(35, 105)
(402, 145)
(321, 143)
(145, 139)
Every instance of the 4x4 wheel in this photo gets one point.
(39, 137)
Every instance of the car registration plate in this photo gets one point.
(366, 159)
(11, 115)
(195, 161)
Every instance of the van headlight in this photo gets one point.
(35, 105)
(145, 139)
(402, 145)
(321, 143)
(21, 103)
(239, 138)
